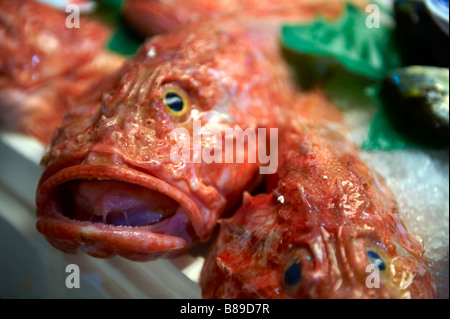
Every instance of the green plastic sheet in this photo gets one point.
(329, 52)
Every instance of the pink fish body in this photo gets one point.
(156, 16)
(110, 185)
(328, 228)
(46, 66)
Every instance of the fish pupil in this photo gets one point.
(293, 274)
(174, 101)
(376, 260)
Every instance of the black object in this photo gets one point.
(418, 99)
(421, 41)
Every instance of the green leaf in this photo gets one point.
(345, 58)
(123, 41)
(383, 134)
(369, 52)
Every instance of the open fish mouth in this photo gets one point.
(108, 210)
(114, 203)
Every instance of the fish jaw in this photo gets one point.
(105, 241)
(166, 236)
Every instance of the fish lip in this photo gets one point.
(83, 231)
(102, 241)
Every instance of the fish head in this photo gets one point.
(126, 176)
(328, 227)
(254, 257)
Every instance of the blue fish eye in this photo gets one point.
(293, 274)
(174, 101)
(375, 259)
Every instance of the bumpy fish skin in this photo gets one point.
(45, 65)
(326, 212)
(230, 79)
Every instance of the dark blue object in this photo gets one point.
(174, 101)
(375, 259)
(443, 4)
(293, 274)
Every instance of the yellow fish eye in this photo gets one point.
(176, 101)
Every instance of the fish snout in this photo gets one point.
(103, 158)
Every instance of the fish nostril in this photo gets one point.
(103, 158)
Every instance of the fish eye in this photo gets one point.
(376, 260)
(293, 274)
(175, 101)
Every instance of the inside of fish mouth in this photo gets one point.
(112, 202)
